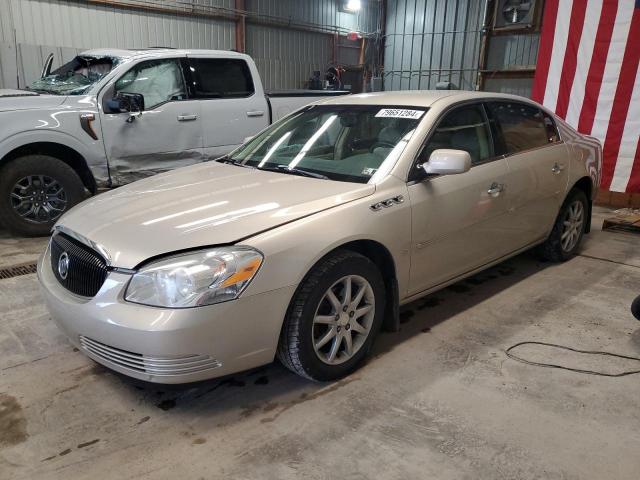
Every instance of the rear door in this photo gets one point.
(167, 135)
(538, 166)
(233, 105)
(459, 222)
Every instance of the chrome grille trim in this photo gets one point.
(152, 365)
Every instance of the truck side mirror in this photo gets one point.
(125, 102)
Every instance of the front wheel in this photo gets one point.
(568, 230)
(333, 318)
(35, 191)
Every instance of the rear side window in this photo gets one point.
(464, 128)
(221, 78)
(519, 126)
(552, 131)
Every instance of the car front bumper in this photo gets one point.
(165, 345)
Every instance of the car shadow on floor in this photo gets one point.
(422, 315)
(272, 389)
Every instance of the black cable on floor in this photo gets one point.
(590, 352)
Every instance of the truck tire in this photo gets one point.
(313, 342)
(35, 190)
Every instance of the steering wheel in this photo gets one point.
(381, 143)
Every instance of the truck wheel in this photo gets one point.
(35, 190)
(564, 240)
(333, 318)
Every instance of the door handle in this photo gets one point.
(187, 118)
(496, 189)
(557, 168)
(255, 113)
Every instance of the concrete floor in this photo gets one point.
(438, 399)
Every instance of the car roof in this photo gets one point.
(418, 98)
(156, 51)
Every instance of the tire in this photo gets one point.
(300, 332)
(635, 307)
(555, 248)
(26, 175)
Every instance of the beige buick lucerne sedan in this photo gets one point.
(303, 242)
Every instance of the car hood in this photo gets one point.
(12, 100)
(202, 205)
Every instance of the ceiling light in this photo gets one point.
(352, 5)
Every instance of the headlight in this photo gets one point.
(195, 279)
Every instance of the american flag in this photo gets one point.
(587, 73)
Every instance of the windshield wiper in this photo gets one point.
(40, 90)
(294, 171)
(228, 160)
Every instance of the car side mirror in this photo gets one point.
(126, 103)
(447, 162)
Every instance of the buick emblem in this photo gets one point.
(63, 265)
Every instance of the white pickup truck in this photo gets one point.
(110, 117)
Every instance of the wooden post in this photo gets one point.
(240, 28)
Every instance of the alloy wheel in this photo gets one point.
(572, 226)
(38, 198)
(343, 319)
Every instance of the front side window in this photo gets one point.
(159, 81)
(221, 78)
(76, 76)
(521, 127)
(341, 142)
(465, 128)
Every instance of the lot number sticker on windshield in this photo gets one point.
(400, 113)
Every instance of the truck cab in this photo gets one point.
(109, 117)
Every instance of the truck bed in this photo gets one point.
(283, 102)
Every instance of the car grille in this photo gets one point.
(87, 269)
(152, 365)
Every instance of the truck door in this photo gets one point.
(168, 133)
(233, 104)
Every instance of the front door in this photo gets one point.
(167, 135)
(459, 222)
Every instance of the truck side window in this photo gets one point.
(221, 78)
(159, 81)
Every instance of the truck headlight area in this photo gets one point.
(195, 279)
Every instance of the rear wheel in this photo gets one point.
(567, 233)
(334, 317)
(35, 191)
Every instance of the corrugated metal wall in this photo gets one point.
(285, 56)
(320, 12)
(429, 41)
(511, 52)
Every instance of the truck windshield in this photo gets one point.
(349, 143)
(75, 77)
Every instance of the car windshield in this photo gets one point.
(75, 77)
(348, 143)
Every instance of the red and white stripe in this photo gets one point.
(587, 73)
